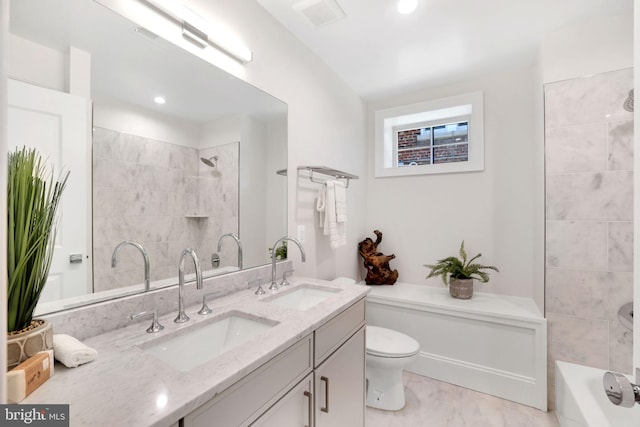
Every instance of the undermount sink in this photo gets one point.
(302, 297)
(187, 348)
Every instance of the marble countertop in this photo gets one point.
(126, 386)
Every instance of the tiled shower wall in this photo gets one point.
(589, 213)
(162, 196)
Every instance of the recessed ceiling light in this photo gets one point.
(159, 100)
(406, 7)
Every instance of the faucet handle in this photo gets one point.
(284, 277)
(205, 308)
(155, 325)
(258, 291)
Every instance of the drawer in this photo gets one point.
(338, 330)
(244, 401)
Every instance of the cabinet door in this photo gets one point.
(294, 409)
(339, 386)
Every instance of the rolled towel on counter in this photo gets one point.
(71, 352)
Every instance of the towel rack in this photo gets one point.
(324, 170)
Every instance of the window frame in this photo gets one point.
(467, 107)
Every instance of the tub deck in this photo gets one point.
(581, 401)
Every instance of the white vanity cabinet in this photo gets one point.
(246, 400)
(319, 381)
(339, 361)
(339, 386)
(294, 409)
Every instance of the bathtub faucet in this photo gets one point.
(620, 390)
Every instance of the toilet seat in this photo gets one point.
(383, 342)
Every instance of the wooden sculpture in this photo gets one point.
(376, 263)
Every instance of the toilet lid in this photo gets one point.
(389, 343)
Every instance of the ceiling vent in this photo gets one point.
(320, 12)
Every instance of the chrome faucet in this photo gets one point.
(182, 316)
(274, 285)
(235, 237)
(144, 255)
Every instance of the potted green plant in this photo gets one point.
(459, 273)
(32, 203)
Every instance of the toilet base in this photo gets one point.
(385, 389)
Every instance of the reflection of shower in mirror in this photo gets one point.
(211, 161)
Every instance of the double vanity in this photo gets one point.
(295, 356)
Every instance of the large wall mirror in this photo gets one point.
(183, 173)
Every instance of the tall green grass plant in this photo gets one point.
(32, 203)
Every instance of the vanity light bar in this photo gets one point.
(198, 31)
(195, 36)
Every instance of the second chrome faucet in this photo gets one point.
(182, 316)
(144, 255)
(274, 285)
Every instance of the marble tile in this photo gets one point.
(590, 99)
(603, 196)
(621, 145)
(620, 348)
(577, 245)
(122, 175)
(577, 292)
(127, 148)
(482, 409)
(102, 143)
(620, 292)
(155, 178)
(154, 153)
(516, 415)
(432, 403)
(102, 202)
(576, 149)
(578, 340)
(620, 243)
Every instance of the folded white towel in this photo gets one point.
(337, 232)
(71, 352)
(341, 202)
(321, 205)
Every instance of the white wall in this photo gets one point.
(326, 126)
(593, 47)
(253, 192)
(36, 64)
(221, 131)
(424, 218)
(145, 123)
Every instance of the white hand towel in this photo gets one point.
(71, 352)
(321, 205)
(337, 232)
(341, 202)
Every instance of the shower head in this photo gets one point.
(211, 161)
(628, 103)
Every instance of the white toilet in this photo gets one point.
(388, 352)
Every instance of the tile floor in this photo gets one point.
(432, 403)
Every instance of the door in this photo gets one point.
(58, 126)
(339, 386)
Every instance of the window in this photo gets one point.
(441, 136)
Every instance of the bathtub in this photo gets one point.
(495, 344)
(581, 401)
